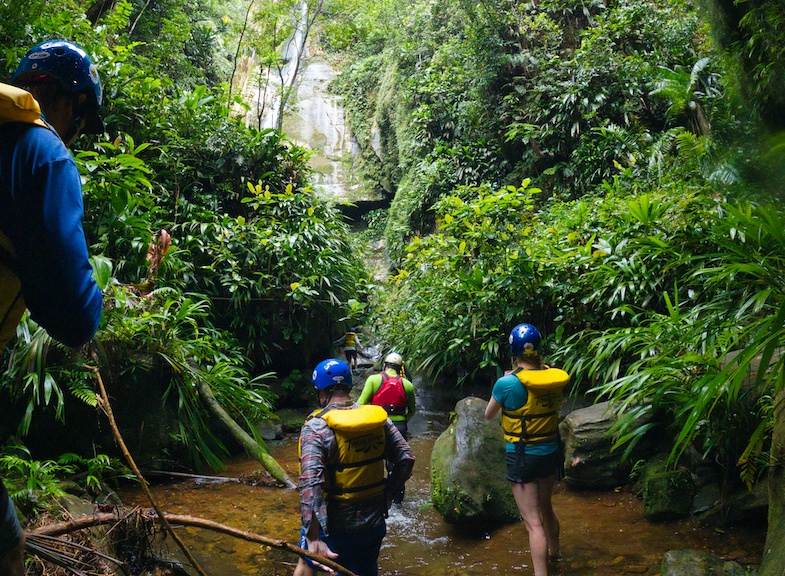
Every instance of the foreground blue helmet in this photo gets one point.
(332, 372)
(72, 67)
(525, 340)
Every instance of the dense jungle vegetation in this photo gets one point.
(609, 171)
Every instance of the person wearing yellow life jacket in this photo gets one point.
(393, 392)
(350, 342)
(529, 398)
(344, 495)
(54, 95)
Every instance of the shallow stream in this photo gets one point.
(603, 533)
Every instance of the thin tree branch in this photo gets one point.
(107, 408)
(185, 520)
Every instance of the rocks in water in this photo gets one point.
(697, 563)
(667, 495)
(468, 482)
(589, 461)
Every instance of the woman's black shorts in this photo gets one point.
(524, 468)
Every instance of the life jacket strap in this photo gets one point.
(338, 467)
(395, 410)
(529, 416)
(335, 491)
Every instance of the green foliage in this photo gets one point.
(276, 273)
(457, 290)
(710, 359)
(751, 34)
(36, 485)
(38, 482)
(269, 267)
(566, 94)
(161, 338)
(41, 371)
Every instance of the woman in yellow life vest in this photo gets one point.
(529, 398)
(350, 342)
(344, 495)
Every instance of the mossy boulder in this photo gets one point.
(667, 495)
(590, 462)
(468, 484)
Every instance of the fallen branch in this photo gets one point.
(257, 449)
(74, 524)
(192, 476)
(107, 408)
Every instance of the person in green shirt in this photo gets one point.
(393, 392)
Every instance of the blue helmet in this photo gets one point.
(525, 340)
(72, 67)
(332, 372)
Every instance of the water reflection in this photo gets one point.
(603, 533)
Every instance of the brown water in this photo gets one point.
(603, 533)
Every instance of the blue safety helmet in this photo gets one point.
(72, 67)
(332, 372)
(525, 340)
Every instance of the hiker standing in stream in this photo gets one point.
(54, 95)
(350, 342)
(393, 392)
(529, 398)
(344, 495)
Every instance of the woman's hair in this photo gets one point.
(534, 359)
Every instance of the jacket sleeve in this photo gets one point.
(400, 456)
(369, 389)
(313, 450)
(53, 266)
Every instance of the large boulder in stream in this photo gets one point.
(589, 460)
(468, 483)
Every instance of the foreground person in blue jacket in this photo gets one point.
(54, 96)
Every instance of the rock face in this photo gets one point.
(588, 460)
(468, 484)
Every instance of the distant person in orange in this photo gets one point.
(529, 398)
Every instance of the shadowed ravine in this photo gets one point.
(603, 533)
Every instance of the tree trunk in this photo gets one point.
(256, 449)
(774, 550)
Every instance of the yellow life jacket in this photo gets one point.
(357, 471)
(16, 105)
(12, 306)
(538, 419)
(350, 339)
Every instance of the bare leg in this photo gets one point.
(528, 501)
(550, 520)
(13, 563)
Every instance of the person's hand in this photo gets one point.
(322, 549)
